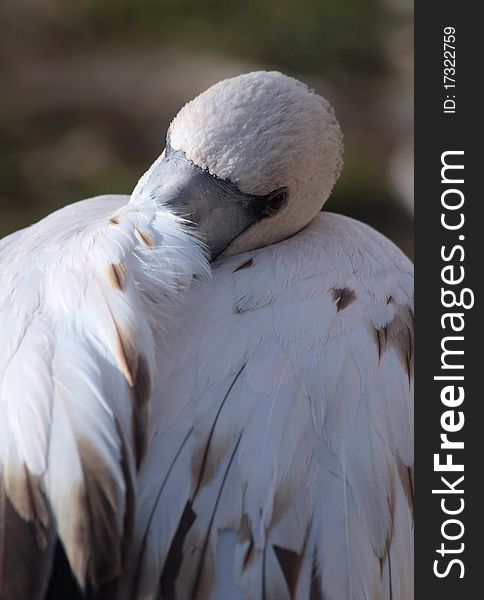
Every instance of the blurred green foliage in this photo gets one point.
(304, 36)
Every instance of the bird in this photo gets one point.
(281, 460)
(271, 454)
(86, 298)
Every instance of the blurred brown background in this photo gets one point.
(88, 89)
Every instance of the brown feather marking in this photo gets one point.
(203, 581)
(283, 499)
(237, 308)
(315, 593)
(244, 536)
(95, 552)
(290, 563)
(114, 220)
(249, 554)
(126, 355)
(145, 237)
(125, 350)
(343, 298)
(140, 412)
(130, 504)
(406, 477)
(204, 469)
(376, 332)
(24, 566)
(39, 510)
(410, 471)
(142, 548)
(382, 564)
(391, 509)
(117, 276)
(25, 492)
(175, 554)
(245, 265)
(390, 577)
(398, 334)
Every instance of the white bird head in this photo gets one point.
(264, 154)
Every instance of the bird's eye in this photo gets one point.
(276, 200)
(270, 204)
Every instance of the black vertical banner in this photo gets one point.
(449, 261)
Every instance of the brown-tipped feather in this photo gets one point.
(140, 414)
(25, 492)
(283, 499)
(204, 470)
(315, 593)
(343, 298)
(290, 563)
(245, 535)
(24, 567)
(145, 237)
(96, 550)
(117, 276)
(398, 334)
(406, 477)
(391, 509)
(390, 585)
(126, 355)
(245, 265)
(175, 555)
(205, 569)
(110, 590)
(130, 501)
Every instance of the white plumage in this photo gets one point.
(272, 404)
(283, 428)
(81, 315)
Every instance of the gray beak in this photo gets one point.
(218, 209)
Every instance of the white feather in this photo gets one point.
(295, 411)
(86, 297)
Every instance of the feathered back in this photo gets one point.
(282, 462)
(85, 298)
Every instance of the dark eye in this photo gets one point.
(276, 200)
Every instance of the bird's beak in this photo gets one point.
(216, 207)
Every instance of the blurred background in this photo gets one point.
(88, 89)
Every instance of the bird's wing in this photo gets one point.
(282, 461)
(85, 295)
